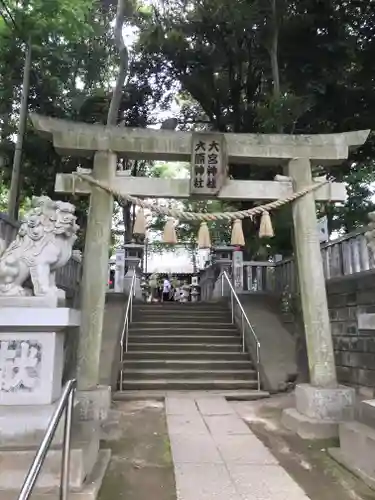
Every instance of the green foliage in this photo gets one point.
(63, 34)
(187, 233)
(3, 198)
(222, 58)
(25, 206)
(221, 53)
(73, 66)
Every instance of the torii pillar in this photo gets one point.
(95, 273)
(312, 287)
(322, 401)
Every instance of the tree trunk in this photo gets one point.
(274, 57)
(127, 220)
(274, 50)
(13, 204)
(124, 64)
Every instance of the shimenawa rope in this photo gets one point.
(198, 216)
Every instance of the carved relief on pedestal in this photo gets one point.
(43, 244)
(20, 364)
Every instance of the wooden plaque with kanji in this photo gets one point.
(208, 163)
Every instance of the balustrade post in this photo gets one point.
(356, 259)
(364, 253)
(346, 258)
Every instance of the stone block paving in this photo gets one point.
(217, 457)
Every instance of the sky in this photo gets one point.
(169, 262)
(173, 262)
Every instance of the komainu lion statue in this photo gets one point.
(43, 244)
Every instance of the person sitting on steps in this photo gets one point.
(166, 290)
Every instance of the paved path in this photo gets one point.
(217, 457)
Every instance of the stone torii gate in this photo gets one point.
(295, 153)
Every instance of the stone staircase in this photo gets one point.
(186, 347)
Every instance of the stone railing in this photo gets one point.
(285, 276)
(67, 277)
(344, 256)
(347, 255)
(259, 276)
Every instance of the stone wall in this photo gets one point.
(355, 350)
(348, 296)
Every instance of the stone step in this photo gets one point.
(357, 450)
(358, 440)
(184, 339)
(197, 316)
(144, 374)
(186, 364)
(173, 306)
(89, 490)
(85, 448)
(178, 316)
(366, 413)
(181, 325)
(167, 332)
(173, 355)
(160, 395)
(199, 346)
(180, 309)
(183, 320)
(178, 306)
(192, 385)
(182, 312)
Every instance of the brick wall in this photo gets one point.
(354, 349)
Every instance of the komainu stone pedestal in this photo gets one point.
(319, 411)
(32, 360)
(25, 425)
(31, 368)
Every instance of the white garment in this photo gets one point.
(166, 286)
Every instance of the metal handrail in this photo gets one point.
(244, 318)
(66, 403)
(125, 330)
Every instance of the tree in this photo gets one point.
(247, 67)
(74, 62)
(62, 34)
